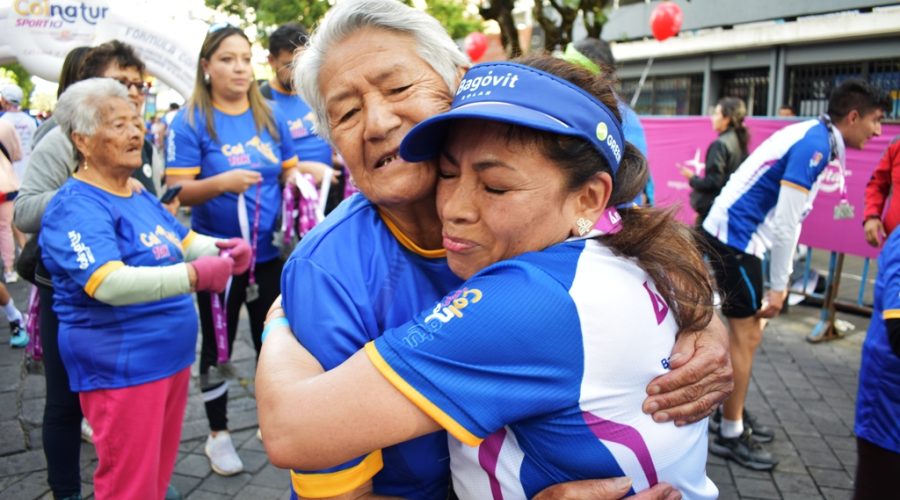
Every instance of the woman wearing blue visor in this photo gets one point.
(536, 365)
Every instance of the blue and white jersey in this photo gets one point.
(878, 398)
(537, 367)
(307, 145)
(348, 280)
(742, 214)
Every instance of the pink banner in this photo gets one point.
(683, 141)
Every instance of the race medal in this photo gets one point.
(843, 210)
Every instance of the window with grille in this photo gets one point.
(666, 95)
(751, 86)
(809, 86)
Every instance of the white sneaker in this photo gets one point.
(87, 432)
(10, 276)
(223, 458)
(259, 433)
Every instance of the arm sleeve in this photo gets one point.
(50, 165)
(132, 285)
(184, 153)
(714, 178)
(880, 183)
(197, 245)
(159, 171)
(785, 233)
(331, 325)
(482, 357)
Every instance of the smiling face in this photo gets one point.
(376, 88)
(229, 69)
(499, 197)
(117, 140)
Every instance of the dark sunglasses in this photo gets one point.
(139, 86)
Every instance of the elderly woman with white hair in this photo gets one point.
(372, 71)
(123, 269)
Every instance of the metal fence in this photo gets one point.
(666, 95)
(808, 86)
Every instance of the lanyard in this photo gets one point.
(836, 153)
(33, 326)
(288, 214)
(253, 237)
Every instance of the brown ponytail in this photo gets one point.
(665, 248)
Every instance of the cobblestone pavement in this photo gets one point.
(806, 392)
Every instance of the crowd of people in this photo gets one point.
(434, 335)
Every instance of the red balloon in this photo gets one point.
(665, 21)
(475, 44)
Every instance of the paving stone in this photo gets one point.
(34, 386)
(184, 484)
(10, 376)
(811, 495)
(719, 474)
(794, 483)
(756, 488)
(253, 460)
(270, 475)
(194, 466)
(728, 492)
(19, 463)
(837, 494)
(260, 492)
(33, 411)
(831, 478)
(12, 438)
(224, 485)
(821, 458)
(24, 489)
(204, 495)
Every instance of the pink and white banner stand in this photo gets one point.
(683, 141)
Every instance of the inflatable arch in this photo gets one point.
(39, 33)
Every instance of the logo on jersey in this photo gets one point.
(236, 154)
(452, 306)
(83, 254)
(298, 128)
(830, 179)
(239, 155)
(154, 241)
(660, 308)
(816, 159)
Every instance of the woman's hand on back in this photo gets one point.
(701, 377)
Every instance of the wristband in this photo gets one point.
(275, 323)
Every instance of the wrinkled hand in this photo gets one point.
(772, 304)
(238, 180)
(603, 489)
(239, 251)
(875, 234)
(700, 379)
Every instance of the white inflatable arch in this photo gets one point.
(39, 33)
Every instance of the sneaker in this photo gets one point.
(10, 276)
(87, 432)
(743, 450)
(18, 337)
(259, 433)
(223, 458)
(761, 433)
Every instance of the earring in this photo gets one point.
(584, 226)
(206, 78)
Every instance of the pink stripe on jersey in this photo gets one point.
(488, 455)
(627, 436)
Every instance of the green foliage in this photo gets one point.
(266, 15)
(21, 77)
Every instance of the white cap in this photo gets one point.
(12, 93)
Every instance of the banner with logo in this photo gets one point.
(683, 141)
(39, 34)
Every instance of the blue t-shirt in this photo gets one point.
(350, 278)
(87, 233)
(741, 216)
(537, 366)
(191, 151)
(878, 398)
(307, 145)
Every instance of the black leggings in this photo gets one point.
(876, 471)
(62, 412)
(215, 393)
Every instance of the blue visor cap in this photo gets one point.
(525, 96)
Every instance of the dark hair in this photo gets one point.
(173, 106)
(70, 68)
(201, 99)
(859, 95)
(596, 50)
(665, 248)
(287, 38)
(734, 109)
(100, 57)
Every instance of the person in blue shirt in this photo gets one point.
(532, 364)
(230, 150)
(382, 67)
(123, 269)
(760, 209)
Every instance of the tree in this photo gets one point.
(558, 17)
(502, 12)
(454, 17)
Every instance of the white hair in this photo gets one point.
(433, 45)
(78, 108)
